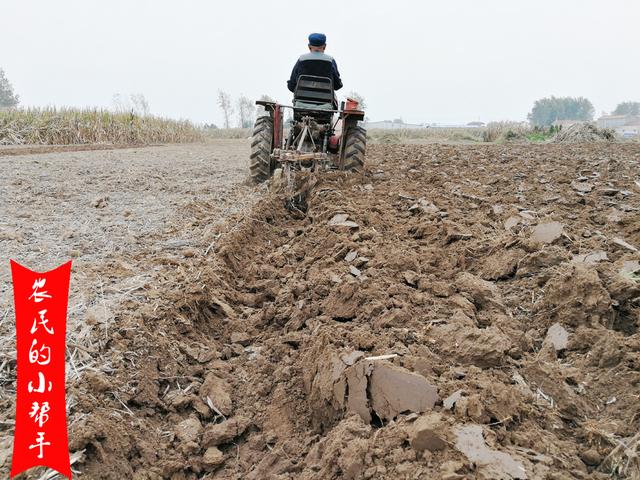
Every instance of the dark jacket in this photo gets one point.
(318, 64)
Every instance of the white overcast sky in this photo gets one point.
(425, 61)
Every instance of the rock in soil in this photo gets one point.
(429, 433)
(212, 458)
(217, 434)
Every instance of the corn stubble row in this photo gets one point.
(51, 126)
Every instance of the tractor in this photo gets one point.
(320, 135)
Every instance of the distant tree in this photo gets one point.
(134, 103)
(627, 108)
(140, 104)
(119, 102)
(224, 102)
(260, 110)
(246, 112)
(362, 105)
(547, 110)
(8, 98)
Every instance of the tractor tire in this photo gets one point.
(354, 149)
(261, 144)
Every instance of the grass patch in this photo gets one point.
(496, 132)
(417, 135)
(216, 133)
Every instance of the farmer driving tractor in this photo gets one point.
(316, 63)
(319, 135)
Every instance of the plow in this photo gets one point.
(319, 135)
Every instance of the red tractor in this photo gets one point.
(317, 137)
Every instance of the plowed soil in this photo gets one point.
(455, 312)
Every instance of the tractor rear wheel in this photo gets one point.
(354, 148)
(261, 144)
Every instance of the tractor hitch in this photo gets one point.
(293, 156)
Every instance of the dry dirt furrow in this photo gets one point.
(128, 218)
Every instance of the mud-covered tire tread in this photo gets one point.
(261, 141)
(355, 149)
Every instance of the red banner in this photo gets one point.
(40, 301)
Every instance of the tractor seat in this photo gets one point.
(314, 93)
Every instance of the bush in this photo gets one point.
(505, 131)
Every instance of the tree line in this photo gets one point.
(245, 108)
(550, 109)
(8, 97)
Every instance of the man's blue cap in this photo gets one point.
(317, 39)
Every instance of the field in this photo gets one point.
(69, 126)
(457, 311)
